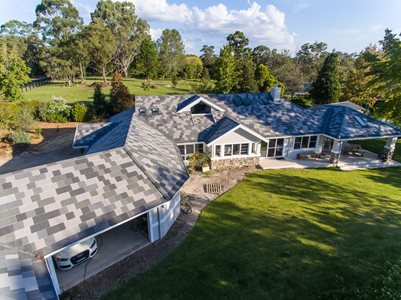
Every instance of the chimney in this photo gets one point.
(276, 93)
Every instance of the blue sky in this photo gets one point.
(284, 24)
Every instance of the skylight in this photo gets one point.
(155, 110)
(142, 110)
(360, 121)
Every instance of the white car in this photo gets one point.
(76, 254)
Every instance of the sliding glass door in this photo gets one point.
(275, 148)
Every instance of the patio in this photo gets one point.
(369, 160)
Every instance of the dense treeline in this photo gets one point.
(59, 45)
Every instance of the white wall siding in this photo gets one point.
(167, 213)
(236, 137)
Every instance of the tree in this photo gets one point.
(327, 87)
(171, 50)
(120, 97)
(192, 67)
(238, 42)
(209, 59)
(101, 105)
(129, 31)
(147, 60)
(261, 55)
(246, 67)
(385, 72)
(13, 72)
(310, 58)
(58, 21)
(227, 78)
(101, 46)
(264, 79)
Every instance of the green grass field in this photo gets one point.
(80, 92)
(377, 146)
(283, 234)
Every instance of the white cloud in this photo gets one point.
(261, 24)
(155, 33)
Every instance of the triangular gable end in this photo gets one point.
(187, 104)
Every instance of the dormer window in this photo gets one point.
(142, 111)
(201, 108)
(155, 110)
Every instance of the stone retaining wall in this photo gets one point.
(234, 163)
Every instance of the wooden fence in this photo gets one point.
(35, 83)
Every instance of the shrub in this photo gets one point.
(101, 106)
(174, 80)
(38, 132)
(199, 160)
(57, 111)
(8, 115)
(20, 137)
(79, 113)
(25, 120)
(120, 97)
(145, 85)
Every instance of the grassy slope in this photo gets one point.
(377, 146)
(85, 92)
(283, 234)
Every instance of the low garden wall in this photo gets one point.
(223, 164)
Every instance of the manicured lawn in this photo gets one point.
(377, 146)
(283, 234)
(85, 92)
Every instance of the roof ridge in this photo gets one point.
(343, 120)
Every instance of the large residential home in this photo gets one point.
(243, 129)
(132, 168)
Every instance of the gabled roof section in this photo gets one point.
(87, 133)
(187, 104)
(223, 126)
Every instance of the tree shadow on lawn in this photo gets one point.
(279, 236)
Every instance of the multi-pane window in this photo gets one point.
(233, 149)
(275, 148)
(189, 149)
(305, 142)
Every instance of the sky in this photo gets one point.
(345, 25)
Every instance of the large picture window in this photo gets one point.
(305, 142)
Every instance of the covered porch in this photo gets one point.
(344, 154)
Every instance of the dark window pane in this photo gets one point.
(313, 138)
(272, 143)
(227, 150)
(279, 151)
(236, 149)
(218, 149)
(199, 148)
(280, 142)
(244, 149)
(312, 144)
(297, 145)
(298, 140)
(201, 108)
(305, 142)
(270, 153)
(190, 149)
(182, 149)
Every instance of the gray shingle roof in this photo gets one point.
(23, 277)
(129, 169)
(259, 114)
(86, 134)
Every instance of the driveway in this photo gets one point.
(55, 149)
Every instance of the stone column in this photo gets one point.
(336, 152)
(389, 148)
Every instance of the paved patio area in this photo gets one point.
(369, 160)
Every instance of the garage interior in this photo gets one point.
(113, 245)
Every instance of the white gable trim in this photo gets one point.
(200, 99)
(239, 126)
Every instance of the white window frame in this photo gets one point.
(186, 155)
(308, 137)
(251, 146)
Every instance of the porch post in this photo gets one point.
(336, 152)
(389, 148)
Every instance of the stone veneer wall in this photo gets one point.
(223, 164)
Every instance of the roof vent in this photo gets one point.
(142, 111)
(155, 110)
(276, 93)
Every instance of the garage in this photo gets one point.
(112, 246)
